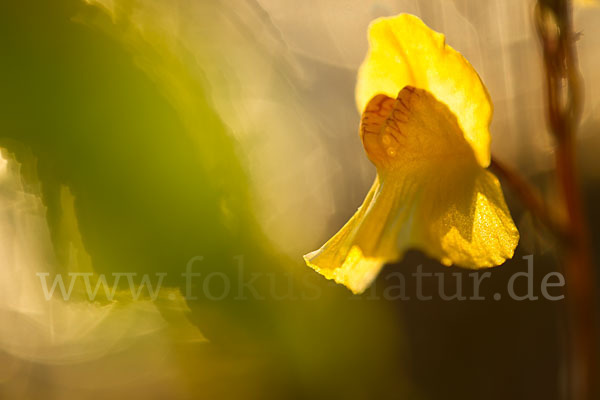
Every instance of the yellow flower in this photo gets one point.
(425, 126)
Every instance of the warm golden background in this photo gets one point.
(138, 134)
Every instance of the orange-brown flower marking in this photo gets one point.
(386, 122)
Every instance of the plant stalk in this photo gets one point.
(564, 104)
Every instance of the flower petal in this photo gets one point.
(412, 130)
(430, 194)
(341, 258)
(404, 51)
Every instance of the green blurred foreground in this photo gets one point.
(125, 126)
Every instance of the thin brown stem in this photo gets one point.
(564, 103)
(530, 197)
(580, 276)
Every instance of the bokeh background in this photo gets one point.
(139, 134)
